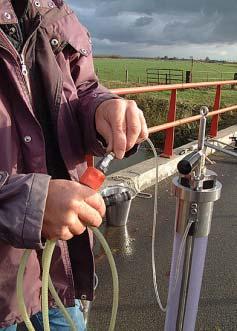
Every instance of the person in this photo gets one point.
(53, 112)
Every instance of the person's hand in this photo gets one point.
(70, 207)
(122, 124)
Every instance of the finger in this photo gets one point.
(133, 124)
(76, 227)
(97, 202)
(88, 215)
(144, 130)
(90, 197)
(118, 127)
(61, 233)
(105, 131)
(66, 234)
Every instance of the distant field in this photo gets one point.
(155, 105)
(111, 73)
(113, 70)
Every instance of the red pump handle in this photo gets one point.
(92, 178)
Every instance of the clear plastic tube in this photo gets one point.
(46, 261)
(154, 231)
(19, 290)
(47, 284)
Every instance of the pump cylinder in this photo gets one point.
(194, 207)
(182, 317)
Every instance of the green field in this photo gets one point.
(111, 73)
(114, 70)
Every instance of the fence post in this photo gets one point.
(188, 76)
(126, 73)
(169, 133)
(235, 78)
(215, 119)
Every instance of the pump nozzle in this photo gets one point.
(104, 164)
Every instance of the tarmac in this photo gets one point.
(131, 248)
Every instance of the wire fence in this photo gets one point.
(131, 76)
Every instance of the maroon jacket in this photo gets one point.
(60, 47)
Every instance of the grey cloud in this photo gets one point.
(114, 7)
(143, 20)
(159, 22)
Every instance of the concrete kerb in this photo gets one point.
(143, 174)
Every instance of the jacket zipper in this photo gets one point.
(24, 72)
(11, 50)
(21, 56)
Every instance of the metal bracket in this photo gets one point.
(211, 144)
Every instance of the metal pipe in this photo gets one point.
(202, 128)
(185, 283)
(189, 119)
(222, 150)
(156, 88)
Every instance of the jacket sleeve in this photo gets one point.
(90, 95)
(22, 203)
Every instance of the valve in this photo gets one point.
(94, 177)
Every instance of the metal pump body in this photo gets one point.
(196, 189)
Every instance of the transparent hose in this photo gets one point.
(154, 231)
(19, 290)
(47, 256)
(178, 264)
(107, 250)
(180, 254)
(46, 261)
(47, 284)
(61, 306)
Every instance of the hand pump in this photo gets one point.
(196, 189)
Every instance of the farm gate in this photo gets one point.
(164, 76)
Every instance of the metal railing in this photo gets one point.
(171, 123)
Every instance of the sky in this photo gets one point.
(151, 28)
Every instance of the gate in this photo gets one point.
(164, 76)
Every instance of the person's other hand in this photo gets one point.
(122, 124)
(70, 207)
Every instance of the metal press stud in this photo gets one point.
(27, 139)
(12, 30)
(37, 3)
(7, 16)
(51, 4)
(83, 51)
(54, 42)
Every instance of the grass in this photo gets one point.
(112, 74)
(155, 105)
(114, 69)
